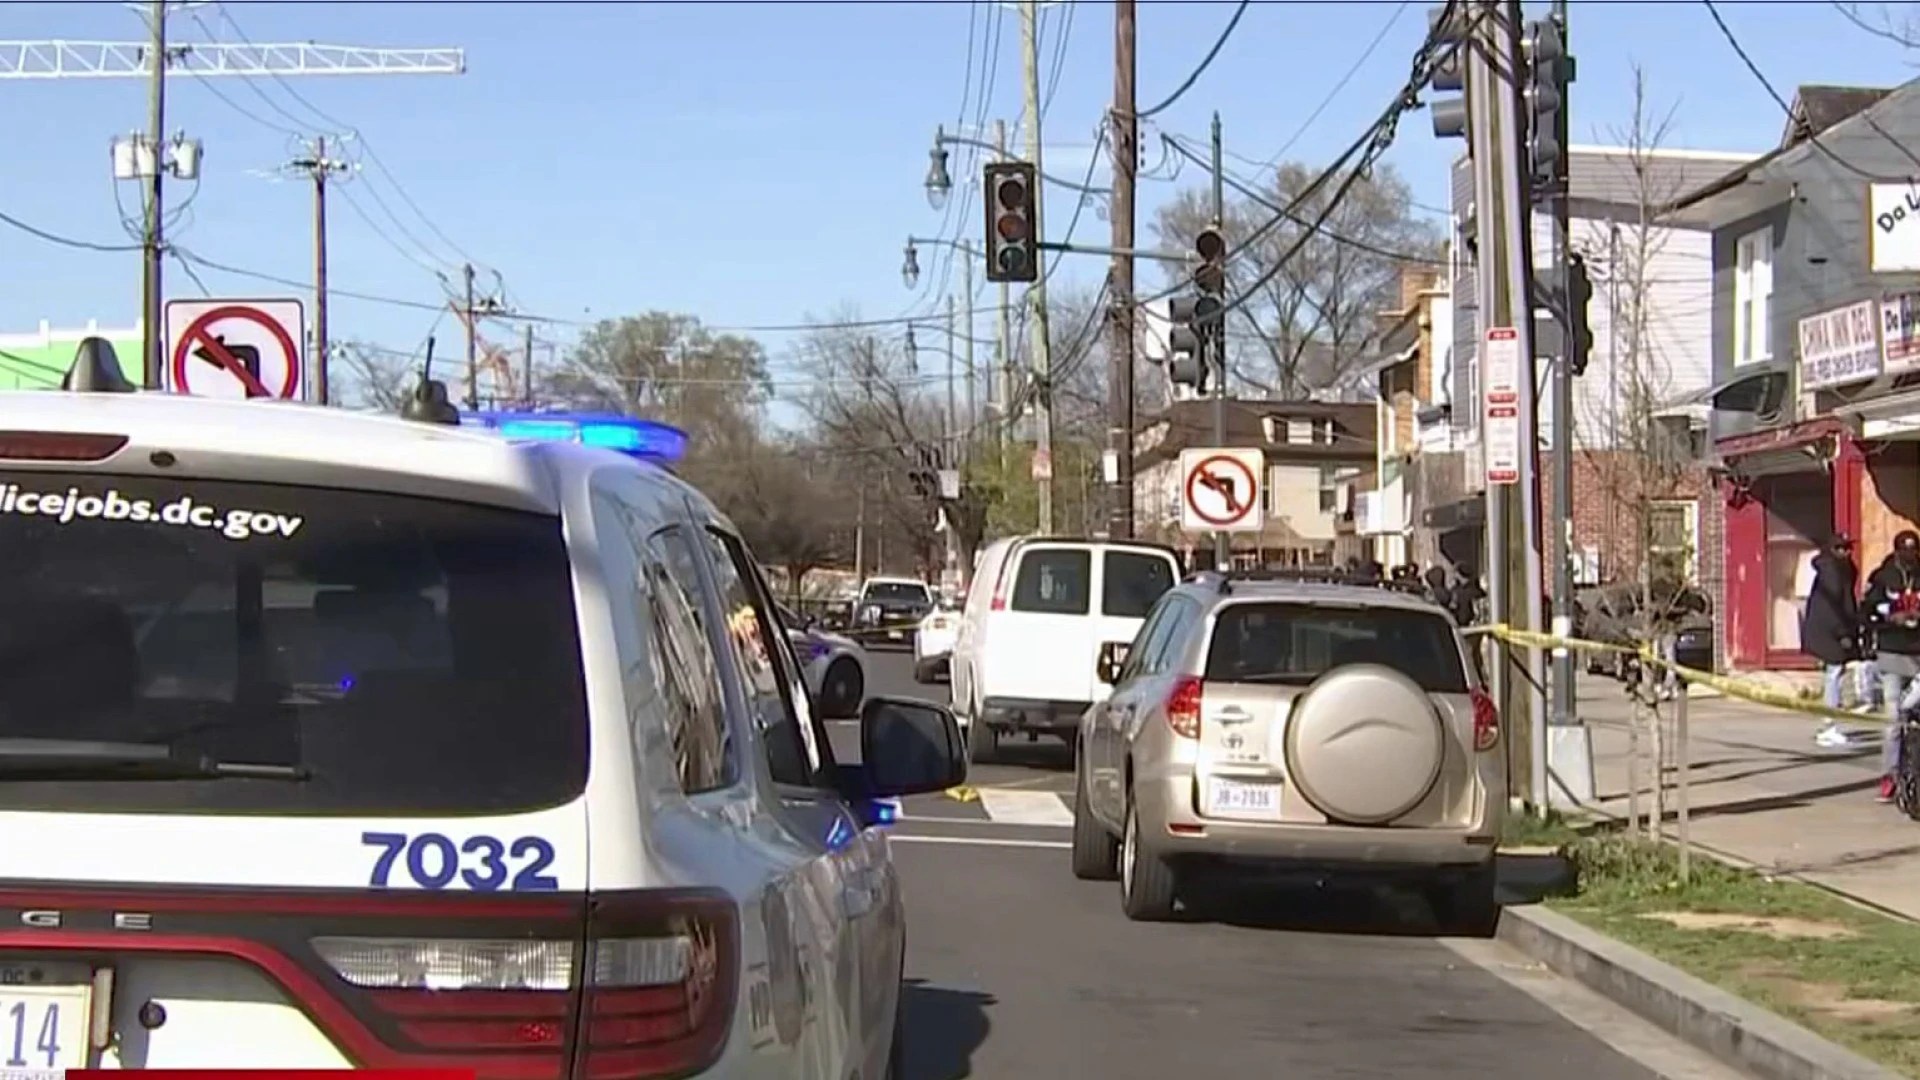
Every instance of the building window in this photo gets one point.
(1299, 432)
(1329, 499)
(1323, 432)
(1673, 541)
(1753, 297)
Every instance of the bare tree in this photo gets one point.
(1882, 22)
(1306, 321)
(370, 377)
(1629, 450)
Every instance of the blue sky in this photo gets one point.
(749, 163)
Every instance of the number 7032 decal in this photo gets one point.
(434, 861)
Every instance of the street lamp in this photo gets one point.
(939, 183)
(910, 269)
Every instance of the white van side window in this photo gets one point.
(689, 673)
(1054, 581)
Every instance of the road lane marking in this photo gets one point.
(1039, 781)
(1014, 807)
(979, 841)
(1665, 1055)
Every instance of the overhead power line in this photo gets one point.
(63, 241)
(1205, 62)
(1365, 55)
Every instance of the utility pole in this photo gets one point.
(473, 342)
(1504, 290)
(953, 408)
(317, 165)
(970, 430)
(1222, 543)
(1037, 292)
(1004, 373)
(1561, 548)
(152, 243)
(1124, 133)
(526, 368)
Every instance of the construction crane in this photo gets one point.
(150, 161)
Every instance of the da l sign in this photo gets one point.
(1894, 247)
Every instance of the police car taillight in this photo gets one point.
(657, 986)
(58, 446)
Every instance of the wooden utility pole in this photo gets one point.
(153, 242)
(526, 368)
(473, 342)
(1003, 375)
(1124, 133)
(317, 165)
(1037, 292)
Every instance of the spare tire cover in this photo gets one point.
(1364, 744)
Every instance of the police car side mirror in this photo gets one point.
(909, 747)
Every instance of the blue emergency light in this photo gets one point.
(647, 439)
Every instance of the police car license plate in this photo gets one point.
(1244, 799)
(894, 634)
(43, 1019)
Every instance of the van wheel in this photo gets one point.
(1096, 854)
(983, 743)
(1147, 882)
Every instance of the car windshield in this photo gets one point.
(897, 592)
(1288, 643)
(413, 656)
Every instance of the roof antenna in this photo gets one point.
(96, 370)
(428, 402)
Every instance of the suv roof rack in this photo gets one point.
(1223, 582)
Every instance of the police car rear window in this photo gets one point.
(411, 656)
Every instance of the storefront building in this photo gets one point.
(1815, 421)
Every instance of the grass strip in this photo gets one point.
(1846, 972)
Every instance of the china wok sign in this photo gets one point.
(1840, 346)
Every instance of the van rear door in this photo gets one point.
(1131, 581)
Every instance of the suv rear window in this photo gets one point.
(415, 656)
(1132, 582)
(1054, 581)
(1296, 643)
(897, 591)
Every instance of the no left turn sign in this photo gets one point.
(236, 348)
(1220, 490)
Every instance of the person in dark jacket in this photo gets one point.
(1437, 589)
(1893, 611)
(1830, 626)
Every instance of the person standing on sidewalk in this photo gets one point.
(1893, 611)
(1830, 627)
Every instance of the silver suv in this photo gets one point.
(1269, 725)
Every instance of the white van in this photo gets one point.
(1037, 616)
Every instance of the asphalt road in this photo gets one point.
(1017, 969)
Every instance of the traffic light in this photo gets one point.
(1196, 325)
(1579, 295)
(1012, 242)
(1210, 276)
(1549, 70)
(1449, 113)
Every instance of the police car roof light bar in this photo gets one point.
(648, 439)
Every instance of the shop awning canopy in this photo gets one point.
(1887, 417)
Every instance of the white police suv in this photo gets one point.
(335, 740)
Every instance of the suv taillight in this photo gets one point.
(1183, 707)
(659, 983)
(1486, 722)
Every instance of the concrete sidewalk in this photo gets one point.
(1761, 791)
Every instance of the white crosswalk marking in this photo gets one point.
(1011, 806)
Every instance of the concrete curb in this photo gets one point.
(1732, 1029)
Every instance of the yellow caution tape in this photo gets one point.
(963, 793)
(1747, 691)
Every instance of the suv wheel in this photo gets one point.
(1466, 906)
(1147, 884)
(1096, 854)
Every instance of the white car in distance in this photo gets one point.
(933, 642)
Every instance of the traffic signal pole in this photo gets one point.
(1562, 532)
(1037, 292)
(1222, 543)
(1003, 358)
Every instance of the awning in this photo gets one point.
(1889, 416)
(1385, 363)
(1469, 513)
